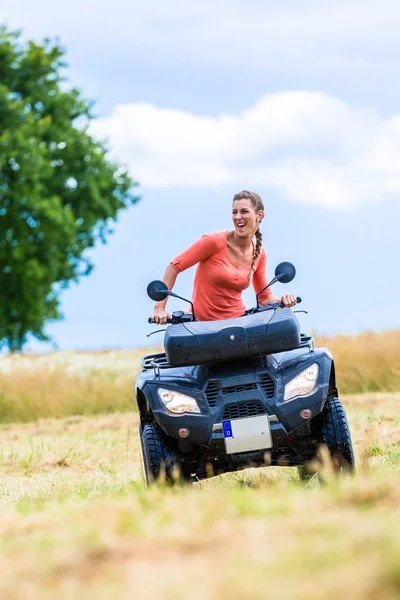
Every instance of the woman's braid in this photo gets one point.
(257, 250)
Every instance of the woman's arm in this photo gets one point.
(288, 300)
(160, 315)
(260, 281)
(202, 249)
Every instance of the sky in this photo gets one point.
(297, 100)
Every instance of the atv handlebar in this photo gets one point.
(279, 304)
(181, 317)
(177, 317)
(273, 305)
(298, 300)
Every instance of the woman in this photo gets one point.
(228, 262)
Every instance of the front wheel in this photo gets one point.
(331, 428)
(335, 433)
(159, 457)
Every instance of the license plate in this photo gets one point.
(244, 435)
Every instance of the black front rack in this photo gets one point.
(306, 340)
(155, 361)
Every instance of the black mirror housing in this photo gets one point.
(157, 290)
(285, 272)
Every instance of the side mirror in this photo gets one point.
(285, 272)
(157, 290)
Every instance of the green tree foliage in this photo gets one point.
(59, 193)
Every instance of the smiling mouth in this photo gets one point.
(240, 226)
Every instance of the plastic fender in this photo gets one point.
(142, 404)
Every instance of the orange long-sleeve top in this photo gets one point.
(219, 282)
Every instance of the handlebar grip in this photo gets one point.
(298, 300)
(150, 320)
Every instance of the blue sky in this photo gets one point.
(298, 100)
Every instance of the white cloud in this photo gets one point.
(314, 148)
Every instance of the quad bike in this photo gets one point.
(236, 393)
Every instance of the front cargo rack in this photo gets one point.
(155, 361)
(306, 341)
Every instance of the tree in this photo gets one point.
(59, 193)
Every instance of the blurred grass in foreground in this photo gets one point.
(84, 383)
(77, 522)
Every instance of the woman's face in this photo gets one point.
(244, 217)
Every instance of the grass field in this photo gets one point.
(77, 522)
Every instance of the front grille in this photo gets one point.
(211, 394)
(243, 409)
(239, 388)
(212, 390)
(268, 386)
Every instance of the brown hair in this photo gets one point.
(258, 205)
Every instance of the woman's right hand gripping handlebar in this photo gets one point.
(160, 315)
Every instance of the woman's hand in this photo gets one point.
(289, 300)
(160, 315)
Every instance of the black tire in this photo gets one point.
(335, 434)
(331, 428)
(159, 456)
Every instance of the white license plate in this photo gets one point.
(244, 435)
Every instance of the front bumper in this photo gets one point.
(239, 397)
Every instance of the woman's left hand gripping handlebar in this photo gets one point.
(289, 300)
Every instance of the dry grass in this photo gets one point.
(67, 383)
(77, 522)
(369, 362)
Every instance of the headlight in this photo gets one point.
(303, 384)
(178, 403)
